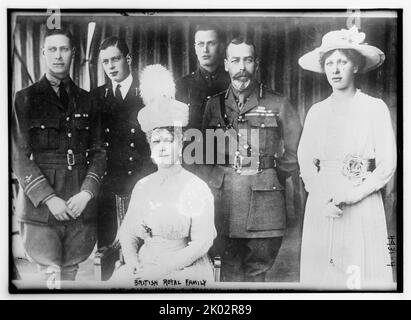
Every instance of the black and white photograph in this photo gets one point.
(194, 150)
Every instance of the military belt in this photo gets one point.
(264, 162)
(60, 158)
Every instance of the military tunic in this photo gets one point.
(56, 150)
(128, 153)
(193, 90)
(248, 176)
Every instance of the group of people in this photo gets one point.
(73, 152)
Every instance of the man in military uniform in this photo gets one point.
(59, 161)
(248, 179)
(128, 153)
(209, 78)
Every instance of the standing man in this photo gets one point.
(128, 153)
(59, 161)
(210, 77)
(249, 182)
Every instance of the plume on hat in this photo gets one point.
(157, 89)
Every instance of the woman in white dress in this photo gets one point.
(169, 225)
(346, 154)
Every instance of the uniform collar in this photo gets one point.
(210, 76)
(251, 101)
(55, 82)
(124, 85)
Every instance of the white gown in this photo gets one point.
(173, 212)
(356, 242)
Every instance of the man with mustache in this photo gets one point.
(128, 153)
(249, 183)
(59, 161)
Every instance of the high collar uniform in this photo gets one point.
(248, 182)
(56, 150)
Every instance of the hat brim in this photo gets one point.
(374, 57)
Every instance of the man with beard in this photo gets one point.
(248, 179)
(128, 153)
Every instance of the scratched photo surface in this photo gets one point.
(237, 219)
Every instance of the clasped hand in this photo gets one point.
(73, 208)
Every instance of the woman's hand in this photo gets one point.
(332, 211)
(350, 196)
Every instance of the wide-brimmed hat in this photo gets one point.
(157, 89)
(343, 39)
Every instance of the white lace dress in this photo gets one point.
(173, 213)
(356, 242)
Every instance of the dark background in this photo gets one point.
(281, 38)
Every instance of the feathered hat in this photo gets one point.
(157, 89)
(343, 39)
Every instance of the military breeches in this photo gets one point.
(247, 260)
(61, 245)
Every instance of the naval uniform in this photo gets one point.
(128, 152)
(248, 183)
(56, 150)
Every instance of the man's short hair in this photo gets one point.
(207, 27)
(63, 31)
(115, 42)
(239, 40)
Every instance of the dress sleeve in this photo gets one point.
(385, 152)
(130, 230)
(199, 200)
(305, 153)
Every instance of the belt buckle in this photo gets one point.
(238, 162)
(70, 158)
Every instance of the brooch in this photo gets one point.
(147, 229)
(355, 168)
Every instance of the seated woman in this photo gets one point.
(346, 154)
(169, 225)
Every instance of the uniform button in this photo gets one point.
(105, 173)
(86, 154)
(131, 159)
(132, 144)
(132, 130)
(246, 146)
(239, 134)
(69, 135)
(129, 173)
(70, 167)
(86, 128)
(106, 144)
(262, 125)
(107, 130)
(42, 126)
(68, 119)
(88, 162)
(274, 188)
